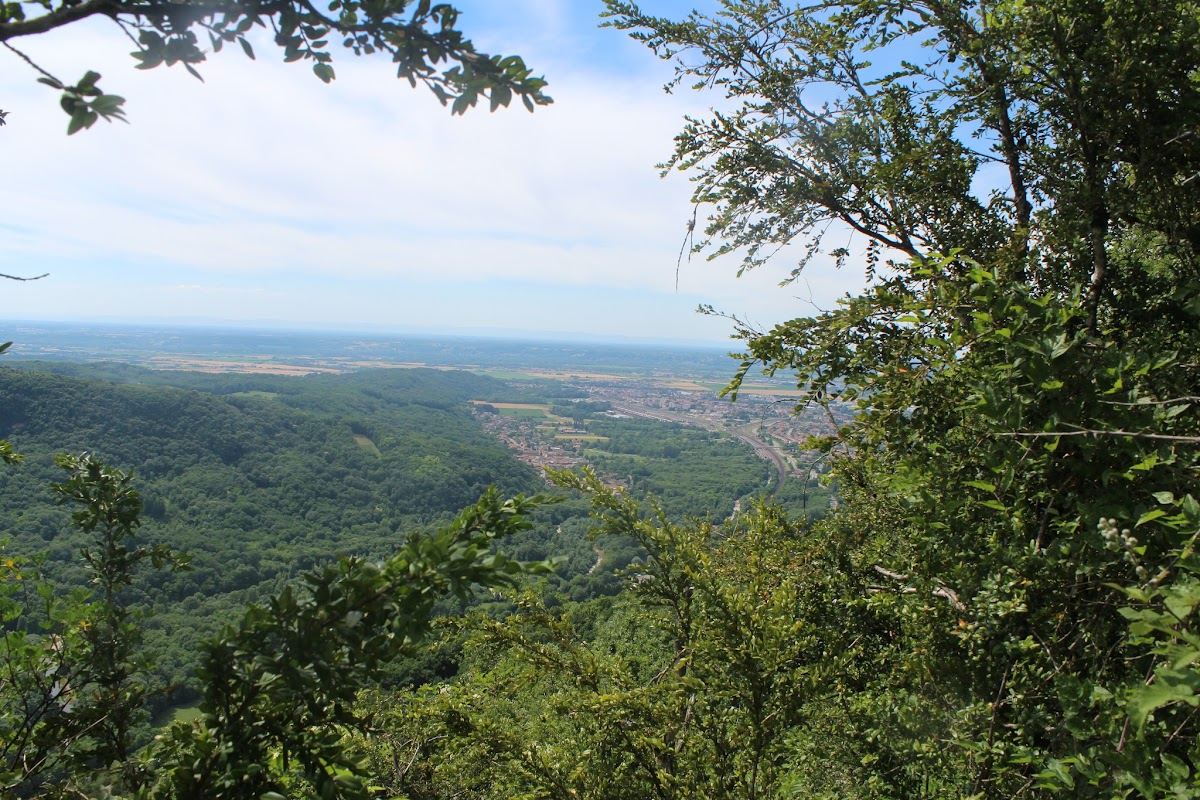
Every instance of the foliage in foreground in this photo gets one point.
(74, 677)
(279, 687)
(1022, 473)
(766, 658)
(421, 39)
(692, 684)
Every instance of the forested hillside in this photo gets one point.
(290, 462)
(256, 479)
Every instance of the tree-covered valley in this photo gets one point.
(259, 478)
(254, 488)
(1001, 602)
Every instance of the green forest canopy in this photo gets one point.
(259, 477)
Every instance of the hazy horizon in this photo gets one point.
(367, 330)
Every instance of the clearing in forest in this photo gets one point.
(366, 444)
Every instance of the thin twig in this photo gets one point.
(1184, 399)
(689, 236)
(987, 766)
(1182, 725)
(30, 62)
(136, 43)
(1090, 432)
(836, 431)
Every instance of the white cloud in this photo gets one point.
(264, 173)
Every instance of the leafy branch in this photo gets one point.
(421, 38)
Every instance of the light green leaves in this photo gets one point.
(1170, 686)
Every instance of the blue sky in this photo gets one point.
(263, 197)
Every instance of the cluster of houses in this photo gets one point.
(769, 422)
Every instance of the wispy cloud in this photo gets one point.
(264, 173)
(196, 288)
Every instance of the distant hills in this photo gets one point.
(167, 344)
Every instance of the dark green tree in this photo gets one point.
(116, 673)
(74, 675)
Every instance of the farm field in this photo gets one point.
(527, 410)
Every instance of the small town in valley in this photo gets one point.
(778, 424)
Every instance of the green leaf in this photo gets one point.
(323, 71)
(1191, 507)
(1148, 463)
(1057, 775)
(106, 104)
(148, 59)
(1150, 515)
(79, 120)
(501, 96)
(1183, 603)
(987, 487)
(1169, 687)
(1176, 766)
